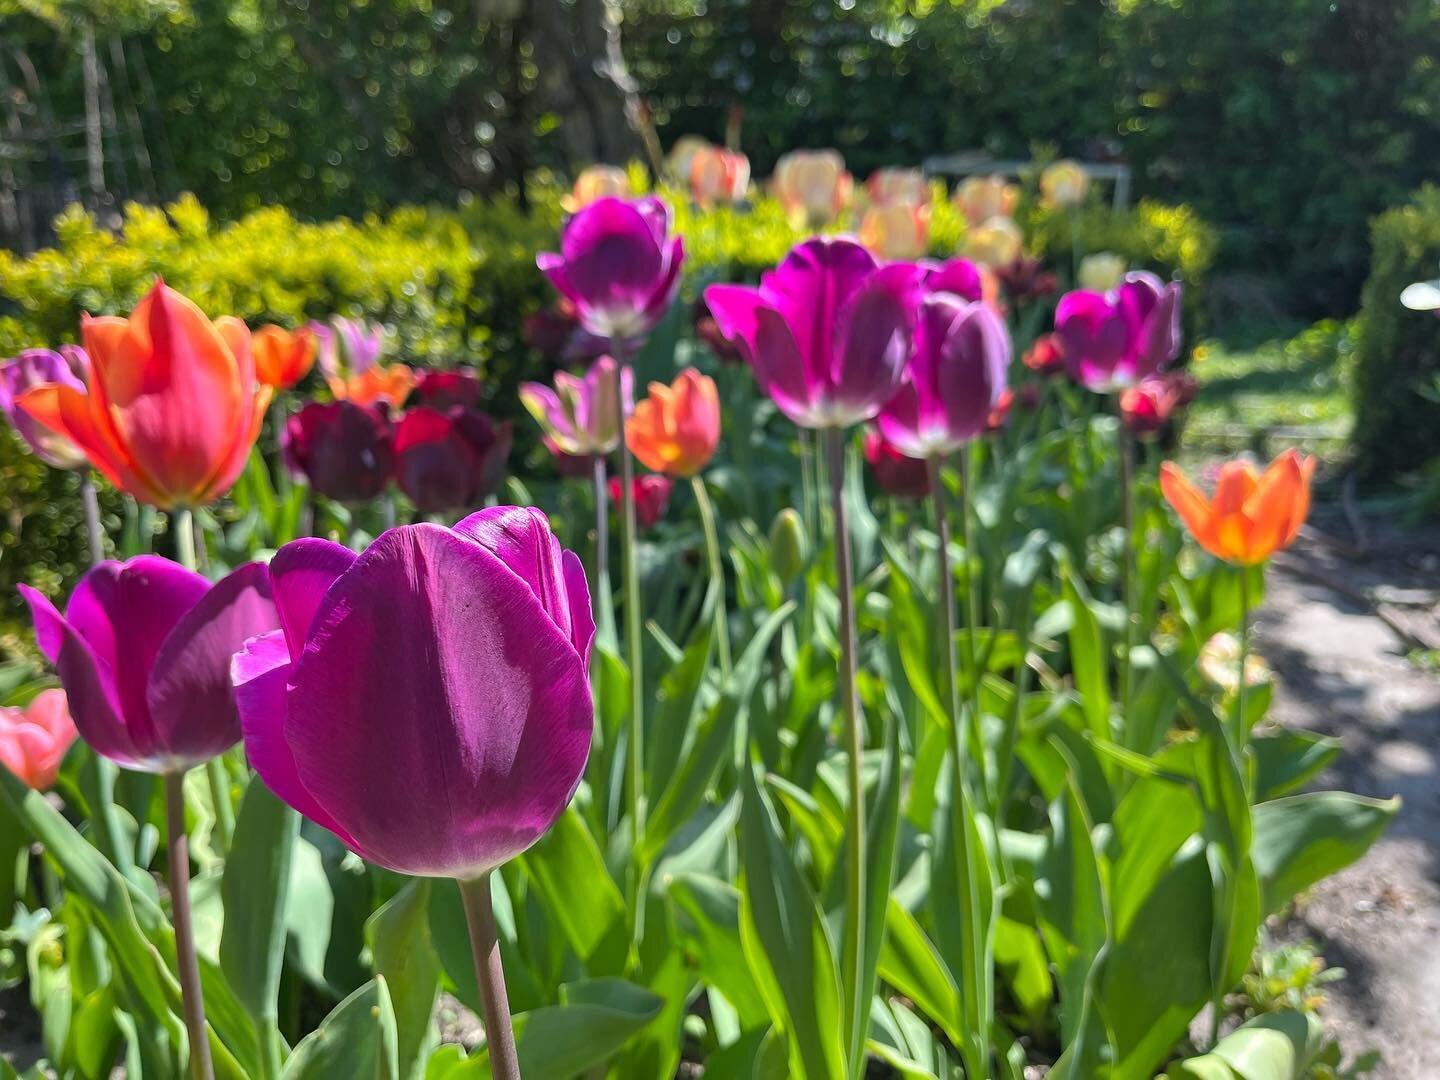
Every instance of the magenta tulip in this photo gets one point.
(448, 460)
(579, 416)
(428, 700)
(953, 381)
(960, 277)
(36, 367)
(828, 331)
(1113, 340)
(346, 450)
(143, 651)
(618, 264)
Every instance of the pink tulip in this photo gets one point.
(33, 740)
(718, 175)
(827, 332)
(812, 186)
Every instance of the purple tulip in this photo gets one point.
(143, 651)
(348, 346)
(444, 389)
(1113, 340)
(827, 332)
(345, 450)
(37, 367)
(618, 264)
(428, 700)
(954, 379)
(448, 460)
(578, 416)
(958, 276)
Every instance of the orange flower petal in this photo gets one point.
(1192, 506)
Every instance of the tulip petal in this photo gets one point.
(520, 536)
(89, 683)
(189, 693)
(437, 712)
(261, 672)
(874, 337)
(780, 369)
(1190, 503)
(577, 593)
(611, 251)
(300, 574)
(735, 311)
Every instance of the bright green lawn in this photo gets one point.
(1264, 390)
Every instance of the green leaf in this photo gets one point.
(713, 909)
(356, 1040)
(253, 890)
(911, 964)
(1300, 839)
(594, 1021)
(1089, 657)
(1275, 1046)
(786, 942)
(565, 865)
(1286, 759)
(399, 938)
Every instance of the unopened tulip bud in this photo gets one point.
(789, 546)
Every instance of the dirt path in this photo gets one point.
(1341, 671)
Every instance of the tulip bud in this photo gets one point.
(789, 546)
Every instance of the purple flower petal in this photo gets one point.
(89, 683)
(261, 673)
(521, 538)
(189, 694)
(300, 573)
(437, 712)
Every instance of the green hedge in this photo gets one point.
(1397, 361)
(454, 286)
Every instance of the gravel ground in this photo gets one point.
(1343, 672)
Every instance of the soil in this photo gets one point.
(1343, 671)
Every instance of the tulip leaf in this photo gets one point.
(593, 1022)
(712, 908)
(675, 707)
(567, 864)
(1089, 658)
(399, 938)
(1274, 1046)
(758, 1054)
(357, 1039)
(911, 964)
(712, 744)
(1286, 759)
(786, 942)
(1300, 839)
(253, 890)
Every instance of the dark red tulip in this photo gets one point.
(345, 450)
(708, 331)
(444, 389)
(898, 475)
(449, 460)
(1026, 279)
(652, 497)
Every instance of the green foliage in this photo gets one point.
(1208, 99)
(1397, 357)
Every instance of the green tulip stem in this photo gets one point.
(852, 951)
(490, 974)
(277, 430)
(178, 845)
(1127, 562)
(972, 594)
(606, 608)
(717, 573)
(945, 622)
(634, 644)
(91, 503)
(1240, 733)
(184, 525)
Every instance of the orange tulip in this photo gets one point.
(390, 384)
(172, 408)
(33, 740)
(282, 357)
(675, 430)
(1252, 515)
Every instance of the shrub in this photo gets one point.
(1397, 359)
